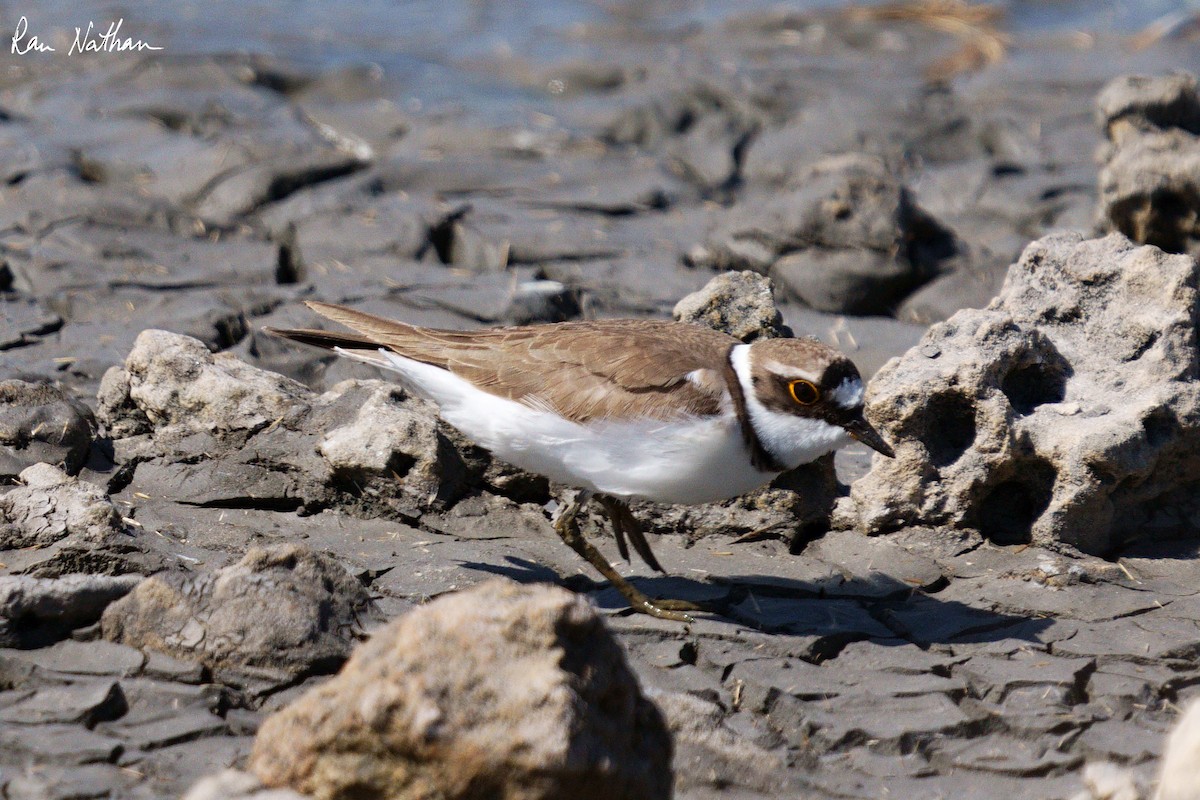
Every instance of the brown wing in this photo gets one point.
(604, 369)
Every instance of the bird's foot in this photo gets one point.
(567, 527)
(663, 609)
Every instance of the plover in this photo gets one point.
(623, 409)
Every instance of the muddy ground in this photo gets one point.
(210, 195)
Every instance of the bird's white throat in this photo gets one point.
(791, 439)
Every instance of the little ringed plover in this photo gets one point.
(623, 409)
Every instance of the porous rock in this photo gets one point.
(52, 505)
(39, 422)
(741, 304)
(1150, 178)
(1066, 411)
(850, 239)
(285, 608)
(385, 436)
(36, 611)
(502, 691)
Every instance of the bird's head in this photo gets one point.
(803, 398)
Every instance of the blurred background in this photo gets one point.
(466, 163)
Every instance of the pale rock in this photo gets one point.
(1104, 326)
(1150, 174)
(502, 691)
(284, 608)
(52, 505)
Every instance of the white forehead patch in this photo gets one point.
(849, 393)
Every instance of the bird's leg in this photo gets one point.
(567, 528)
(625, 523)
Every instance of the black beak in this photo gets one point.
(861, 430)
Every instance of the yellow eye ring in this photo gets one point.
(804, 392)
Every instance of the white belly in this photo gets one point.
(692, 460)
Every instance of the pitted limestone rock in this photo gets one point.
(55, 524)
(1067, 411)
(389, 434)
(1132, 104)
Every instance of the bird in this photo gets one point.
(622, 409)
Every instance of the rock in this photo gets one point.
(60, 744)
(173, 379)
(238, 192)
(384, 437)
(541, 301)
(186, 725)
(222, 433)
(1004, 755)
(90, 780)
(1067, 411)
(887, 720)
(1150, 179)
(844, 281)
(52, 506)
(71, 658)
(37, 611)
(229, 783)
(1132, 104)
(285, 608)
(39, 422)
(500, 691)
(1147, 186)
(394, 227)
(963, 288)
(849, 240)
(57, 525)
(993, 678)
(704, 131)
(82, 703)
(741, 304)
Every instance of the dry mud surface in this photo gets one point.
(210, 195)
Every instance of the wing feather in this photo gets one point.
(604, 369)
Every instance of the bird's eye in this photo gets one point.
(804, 392)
